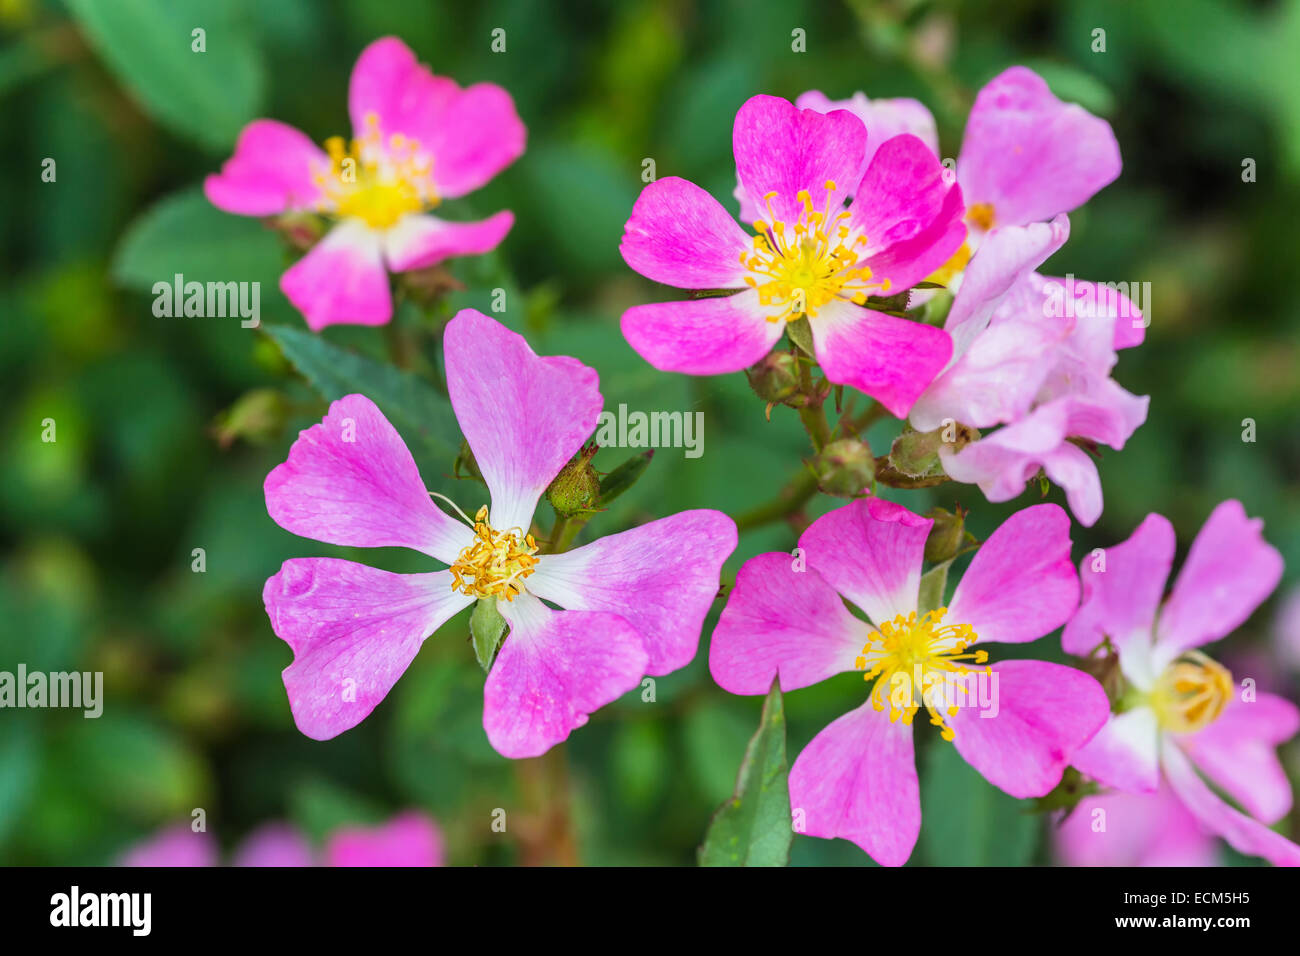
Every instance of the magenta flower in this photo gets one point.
(1016, 722)
(1183, 712)
(418, 139)
(408, 839)
(1026, 156)
(811, 258)
(1133, 829)
(1034, 354)
(635, 601)
(883, 118)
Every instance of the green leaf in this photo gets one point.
(801, 335)
(966, 820)
(206, 96)
(623, 477)
(187, 234)
(421, 415)
(488, 629)
(934, 584)
(753, 827)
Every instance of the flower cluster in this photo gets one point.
(888, 271)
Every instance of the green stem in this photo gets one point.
(791, 499)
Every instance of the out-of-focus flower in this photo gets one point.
(409, 839)
(1016, 722)
(1183, 716)
(634, 602)
(1133, 829)
(811, 259)
(418, 139)
(1034, 354)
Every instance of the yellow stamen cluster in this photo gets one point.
(496, 563)
(800, 268)
(914, 659)
(1191, 693)
(375, 182)
(980, 215)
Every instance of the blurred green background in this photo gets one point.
(98, 528)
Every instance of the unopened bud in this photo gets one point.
(775, 379)
(845, 468)
(947, 535)
(256, 417)
(577, 487)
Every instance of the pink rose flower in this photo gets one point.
(408, 839)
(634, 602)
(418, 139)
(1133, 829)
(1017, 726)
(811, 258)
(1034, 354)
(1183, 713)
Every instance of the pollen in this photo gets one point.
(919, 662)
(375, 180)
(800, 267)
(980, 215)
(496, 563)
(1191, 693)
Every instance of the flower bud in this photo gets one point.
(257, 416)
(775, 379)
(845, 468)
(577, 487)
(947, 536)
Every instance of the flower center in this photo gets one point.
(801, 267)
(913, 658)
(1191, 693)
(496, 563)
(980, 215)
(375, 182)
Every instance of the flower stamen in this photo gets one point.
(375, 181)
(802, 267)
(910, 657)
(1191, 693)
(496, 563)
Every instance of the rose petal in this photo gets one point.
(1040, 715)
(271, 172)
(680, 235)
(786, 621)
(1245, 834)
(554, 669)
(888, 358)
(1028, 154)
(411, 839)
(352, 481)
(870, 551)
(523, 415)
(353, 631)
(1021, 584)
(711, 336)
(661, 577)
(1229, 571)
(857, 781)
(1125, 753)
(341, 280)
(1120, 597)
(782, 149)
(419, 241)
